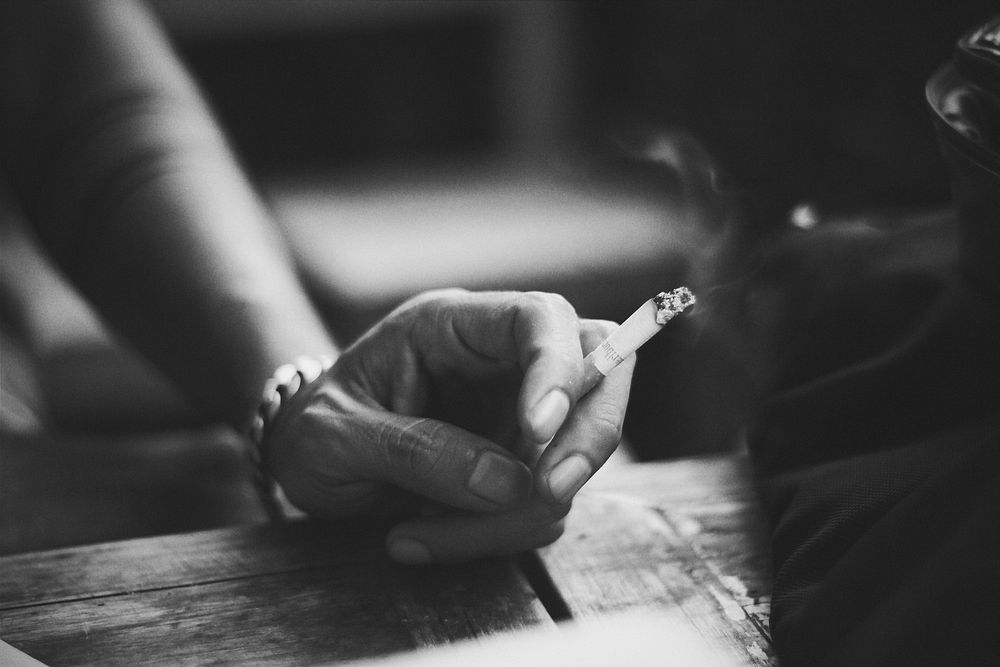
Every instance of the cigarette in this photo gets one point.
(640, 326)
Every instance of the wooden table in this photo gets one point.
(683, 537)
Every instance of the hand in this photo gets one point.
(438, 412)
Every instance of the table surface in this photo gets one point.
(684, 538)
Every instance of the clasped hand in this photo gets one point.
(461, 413)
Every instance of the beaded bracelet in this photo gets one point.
(279, 389)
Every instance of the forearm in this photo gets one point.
(134, 191)
(218, 306)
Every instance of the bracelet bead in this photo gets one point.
(286, 381)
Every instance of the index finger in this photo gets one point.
(538, 331)
(591, 433)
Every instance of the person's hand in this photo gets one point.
(438, 414)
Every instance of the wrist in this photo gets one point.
(279, 389)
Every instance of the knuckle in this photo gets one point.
(547, 303)
(417, 447)
(436, 296)
(554, 325)
(605, 426)
(430, 310)
(564, 358)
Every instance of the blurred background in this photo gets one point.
(604, 150)
(800, 101)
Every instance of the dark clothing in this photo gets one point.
(881, 473)
(883, 483)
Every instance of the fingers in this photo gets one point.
(445, 463)
(333, 448)
(456, 537)
(341, 449)
(592, 431)
(548, 336)
(538, 331)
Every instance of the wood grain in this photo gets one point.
(297, 617)
(186, 559)
(302, 592)
(681, 537)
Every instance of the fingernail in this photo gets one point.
(409, 552)
(549, 414)
(499, 479)
(568, 476)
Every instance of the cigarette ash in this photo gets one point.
(672, 303)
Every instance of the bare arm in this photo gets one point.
(131, 186)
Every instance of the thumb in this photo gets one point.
(442, 462)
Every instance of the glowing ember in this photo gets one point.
(672, 303)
